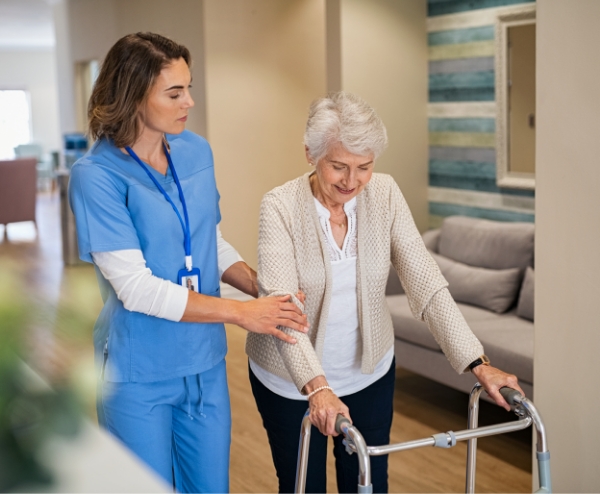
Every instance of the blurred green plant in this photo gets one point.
(32, 410)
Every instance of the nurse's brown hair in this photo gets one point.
(122, 87)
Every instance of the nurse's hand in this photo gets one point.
(263, 315)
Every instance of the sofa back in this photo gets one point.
(487, 244)
(17, 190)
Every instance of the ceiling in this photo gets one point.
(26, 24)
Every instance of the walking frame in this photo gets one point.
(355, 443)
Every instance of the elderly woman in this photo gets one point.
(332, 234)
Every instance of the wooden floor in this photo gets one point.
(421, 407)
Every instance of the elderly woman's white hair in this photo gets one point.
(345, 118)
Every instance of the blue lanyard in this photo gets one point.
(187, 243)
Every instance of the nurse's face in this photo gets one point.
(167, 106)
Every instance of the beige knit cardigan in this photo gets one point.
(293, 255)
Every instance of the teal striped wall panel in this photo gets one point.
(455, 36)
(468, 175)
(443, 210)
(443, 7)
(462, 86)
(463, 154)
(462, 161)
(462, 125)
(476, 64)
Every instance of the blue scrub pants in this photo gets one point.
(180, 427)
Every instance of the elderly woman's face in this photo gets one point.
(343, 175)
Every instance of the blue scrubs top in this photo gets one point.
(117, 207)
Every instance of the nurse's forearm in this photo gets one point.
(242, 277)
(262, 315)
(202, 308)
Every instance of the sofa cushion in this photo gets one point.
(493, 289)
(393, 286)
(506, 339)
(525, 306)
(431, 239)
(407, 328)
(508, 342)
(487, 244)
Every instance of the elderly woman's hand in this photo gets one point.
(492, 379)
(324, 407)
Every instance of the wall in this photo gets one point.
(462, 112)
(265, 63)
(35, 71)
(181, 20)
(86, 29)
(567, 336)
(384, 60)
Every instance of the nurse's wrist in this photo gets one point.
(235, 313)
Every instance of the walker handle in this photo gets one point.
(339, 422)
(509, 394)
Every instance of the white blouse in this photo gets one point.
(342, 348)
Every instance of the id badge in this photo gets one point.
(190, 279)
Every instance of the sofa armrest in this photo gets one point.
(393, 287)
(431, 239)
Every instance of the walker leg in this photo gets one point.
(303, 449)
(472, 443)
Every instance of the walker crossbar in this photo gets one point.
(355, 443)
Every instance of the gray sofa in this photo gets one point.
(489, 268)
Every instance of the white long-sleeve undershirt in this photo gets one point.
(141, 291)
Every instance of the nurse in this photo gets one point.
(147, 212)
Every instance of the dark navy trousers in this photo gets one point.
(371, 410)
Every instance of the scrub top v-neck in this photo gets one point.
(117, 206)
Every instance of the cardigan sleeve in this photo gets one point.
(451, 331)
(419, 274)
(426, 288)
(277, 276)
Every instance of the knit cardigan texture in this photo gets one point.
(293, 255)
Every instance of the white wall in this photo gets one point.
(567, 327)
(182, 21)
(35, 71)
(384, 60)
(86, 29)
(265, 63)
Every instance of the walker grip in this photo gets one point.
(339, 422)
(509, 395)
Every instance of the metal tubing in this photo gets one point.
(357, 443)
(463, 435)
(543, 454)
(303, 448)
(364, 462)
(492, 430)
(542, 440)
(393, 448)
(472, 444)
